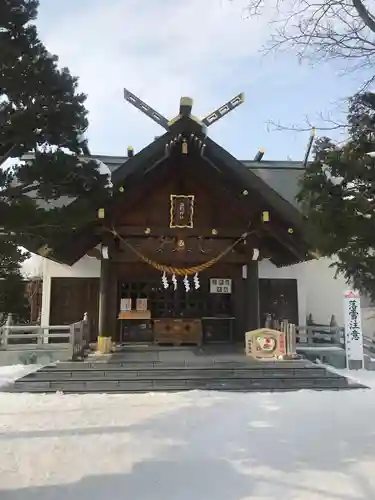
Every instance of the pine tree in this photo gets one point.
(41, 111)
(12, 284)
(338, 197)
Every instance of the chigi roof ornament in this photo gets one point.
(186, 105)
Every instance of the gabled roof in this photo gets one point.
(131, 173)
(283, 177)
(215, 154)
(248, 179)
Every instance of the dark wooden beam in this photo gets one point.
(196, 232)
(178, 259)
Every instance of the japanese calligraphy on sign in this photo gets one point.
(125, 305)
(220, 285)
(353, 327)
(181, 211)
(141, 305)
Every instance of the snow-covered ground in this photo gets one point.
(13, 372)
(199, 445)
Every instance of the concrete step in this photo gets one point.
(148, 385)
(141, 365)
(180, 374)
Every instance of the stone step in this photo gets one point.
(269, 365)
(116, 375)
(222, 384)
(180, 374)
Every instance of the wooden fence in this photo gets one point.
(308, 336)
(37, 337)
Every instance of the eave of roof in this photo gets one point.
(249, 179)
(133, 169)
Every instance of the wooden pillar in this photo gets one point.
(112, 303)
(104, 289)
(239, 307)
(252, 313)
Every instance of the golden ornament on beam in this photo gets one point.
(265, 216)
(44, 251)
(180, 245)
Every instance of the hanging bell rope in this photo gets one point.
(179, 271)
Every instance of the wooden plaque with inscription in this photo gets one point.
(178, 331)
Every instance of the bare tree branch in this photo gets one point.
(330, 124)
(365, 15)
(323, 30)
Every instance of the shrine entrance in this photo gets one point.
(210, 315)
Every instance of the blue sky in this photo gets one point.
(162, 49)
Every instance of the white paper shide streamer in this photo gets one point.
(164, 280)
(186, 283)
(174, 281)
(196, 281)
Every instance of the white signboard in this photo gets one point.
(125, 305)
(353, 327)
(220, 285)
(141, 305)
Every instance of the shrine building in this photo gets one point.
(193, 246)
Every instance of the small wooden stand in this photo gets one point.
(135, 326)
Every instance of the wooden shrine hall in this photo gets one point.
(181, 236)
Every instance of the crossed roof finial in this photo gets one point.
(186, 104)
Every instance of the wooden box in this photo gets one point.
(178, 331)
(136, 331)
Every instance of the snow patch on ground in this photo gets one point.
(200, 445)
(9, 374)
(364, 377)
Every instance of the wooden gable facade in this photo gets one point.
(185, 206)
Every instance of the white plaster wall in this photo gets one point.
(368, 321)
(32, 267)
(324, 293)
(319, 293)
(87, 267)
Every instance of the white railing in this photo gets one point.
(38, 337)
(319, 335)
(308, 336)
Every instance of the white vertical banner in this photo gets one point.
(353, 327)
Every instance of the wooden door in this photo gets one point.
(71, 298)
(279, 298)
